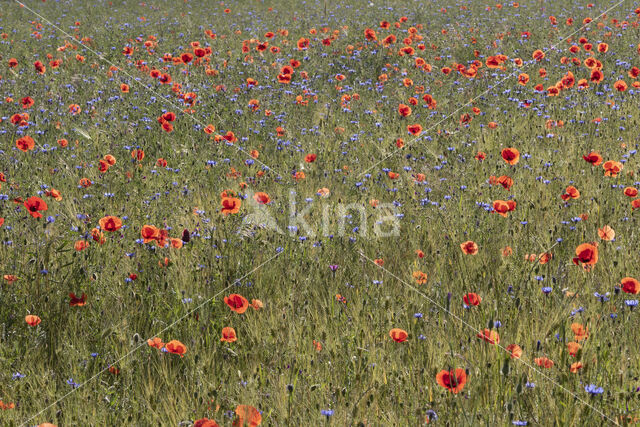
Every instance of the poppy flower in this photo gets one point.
(32, 320)
(256, 304)
(472, 299)
(575, 367)
(544, 362)
(262, 198)
(580, 331)
(404, 110)
(620, 85)
(469, 247)
(631, 192)
(489, 336)
(612, 168)
(25, 143)
(501, 207)
(630, 285)
(76, 301)
(176, 347)
(237, 303)
(80, 245)
(510, 155)
(596, 76)
(228, 335)
(586, 255)
(453, 380)
(420, 277)
(310, 158)
(573, 348)
(594, 158)
(515, 350)
(205, 422)
(606, 233)
(247, 415)
(571, 193)
(230, 205)
(110, 223)
(398, 335)
(414, 130)
(34, 205)
(155, 342)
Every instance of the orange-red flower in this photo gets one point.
(630, 285)
(230, 205)
(571, 193)
(580, 331)
(515, 350)
(501, 207)
(262, 198)
(472, 299)
(606, 233)
(156, 343)
(398, 335)
(510, 155)
(594, 158)
(237, 303)
(453, 380)
(176, 347)
(469, 247)
(76, 301)
(228, 334)
(489, 336)
(544, 362)
(110, 223)
(25, 143)
(32, 320)
(34, 205)
(612, 168)
(586, 255)
(247, 415)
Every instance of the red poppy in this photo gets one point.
(230, 205)
(515, 350)
(76, 301)
(612, 168)
(310, 158)
(176, 347)
(34, 205)
(228, 335)
(469, 247)
(453, 380)
(247, 415)
(262, 198)
(630, 285)
(25, 143)
(510, 155)
(32, 320)
(398, 335)
(594, 158)
(472, 299)
(544, 362)
(489, 336)
(414, 130)
(237, 303)
(570, 193)
(586, 255)
(110, 223)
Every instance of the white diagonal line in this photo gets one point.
(548, 378)
(144, 343)
(553, 47)
(174, 104)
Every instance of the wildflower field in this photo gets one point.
(316, 212)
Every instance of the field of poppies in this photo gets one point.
(336, 212)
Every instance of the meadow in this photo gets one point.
(321, 212)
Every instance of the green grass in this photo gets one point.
(361, 373)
